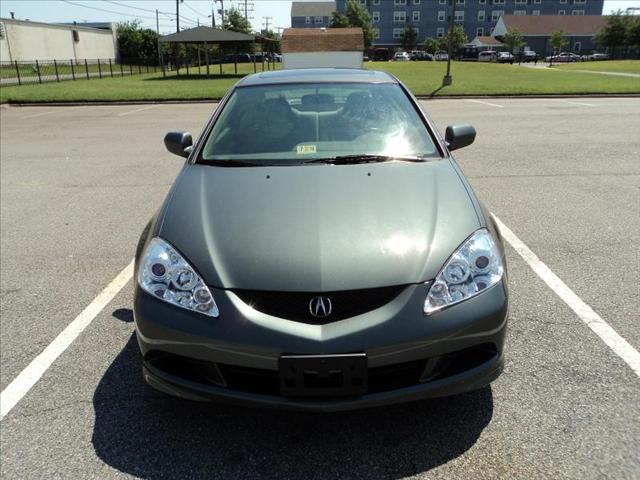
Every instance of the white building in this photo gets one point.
(28, 41)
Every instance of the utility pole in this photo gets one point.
(178, 16)
(447, 80)
(158, 33)
(222, 12)
(245, 9)
(266, 23)
(213, 14)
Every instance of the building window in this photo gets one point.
(563, 1)
(376, 33)
(459, 17)
(399, 17)
(579, 1)
(416, 2)
(375, 16)
(442, 15)
(317, 20)
(399, 2)
(521, 2)
(307, 20)
(535, 12)
(460, 2)
(416, 16)
(577, 12)
(417, 30)
(560, 12)
(376, 2)
(482, 2)
(363, 3)
(443, 2)
(481, 15)
(440, 32)
(537, 2)
(519, 12)
(496, 14)
(479, 32)
(397, 32)
(577, 46)
(498, 2)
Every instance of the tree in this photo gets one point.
(557, 40)
(409, 39)
(430, 45)
(135, 41)
(513, 39)
(355, 15)
(616, 33)
(633, 32)
(459, 39)
(235, 21)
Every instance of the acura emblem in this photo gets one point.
(320, 307)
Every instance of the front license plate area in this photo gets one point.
(323, 375)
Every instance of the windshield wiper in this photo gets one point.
(363, 158)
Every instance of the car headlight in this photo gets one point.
(166, 275)
(473, 268)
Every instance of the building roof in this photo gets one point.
(322, 40)
(79, 26)
(484, 41)
(546, 24)
(207, 34)
(317, 75)
(312, 9)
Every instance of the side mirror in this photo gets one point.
(179, 143)
(458, 136)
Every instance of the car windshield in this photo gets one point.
(300, 123)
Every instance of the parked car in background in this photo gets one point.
(504, 57)
(566, 57)
(529, 56)
(487, 56)
(240, 58)
(401, 57)
(596, 56)
(441, 56)
(420, 55)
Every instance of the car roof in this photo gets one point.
(317, 75)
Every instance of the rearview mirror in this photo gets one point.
(178, 143)
(458, 136)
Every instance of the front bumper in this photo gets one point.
(395, 335)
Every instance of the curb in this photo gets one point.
(213, 100)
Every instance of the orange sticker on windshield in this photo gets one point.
(305, 149)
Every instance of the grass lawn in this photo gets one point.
(423, 78)
(622, 66)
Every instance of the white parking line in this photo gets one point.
(136, 111)
(484, 103)
(19, 387)
(607, 334)
(582, 104)
(38, 114)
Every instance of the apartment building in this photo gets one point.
(311, 14)
(430, 18)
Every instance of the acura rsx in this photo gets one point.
(320, 249)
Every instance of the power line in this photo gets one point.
(105, 10)
(182, 17)
(194, 10)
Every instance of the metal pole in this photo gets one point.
(38, 70)
(206, 57)
(177, 16)
(130, 69)
(99, 69)
(55, 65)
(213, 14)
(86, 68)
(18, 73)
(235, 61)
(158, 38)
(73, 73)
(121, 69)
(447, 80)
(110, 68)
(222, 12)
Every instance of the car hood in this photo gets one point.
(318, 228)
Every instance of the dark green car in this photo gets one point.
(320, 250)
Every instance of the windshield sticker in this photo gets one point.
(305, 149)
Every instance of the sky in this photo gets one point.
(190, 11)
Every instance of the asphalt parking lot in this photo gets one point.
(78, 184)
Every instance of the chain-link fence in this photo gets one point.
(41, 71)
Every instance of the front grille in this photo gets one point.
(295, 305)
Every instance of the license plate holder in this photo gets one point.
(323, 375)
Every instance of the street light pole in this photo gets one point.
(447, 80)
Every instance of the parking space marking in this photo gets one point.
(38, 114)
(607, 334)
(21, 385)
(484, 103)
(136, 111)
(582, 104)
